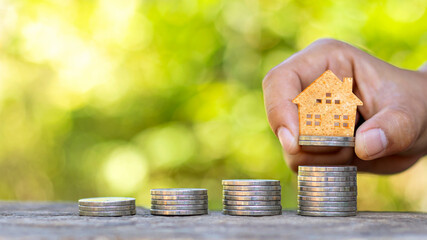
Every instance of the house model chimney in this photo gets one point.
(348, 83)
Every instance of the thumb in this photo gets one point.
(388, 132)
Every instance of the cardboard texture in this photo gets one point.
(328, 107)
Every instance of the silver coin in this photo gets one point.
(252, 198)
(178, 202)
(328, 189)
(251, 182)
(107, 208)
(251, 203)
(327, 209)
(326, 143)
(327, 184)
(327, 194)
(179, 197)
(327, 199)
(107, 201)
(107, 213)
(180, 207)
(251, 213)
(327, 174)
(257, 208)
(326, 214)
(252, 188)
(328, 168)
(178, 212)
(327, 138)
(179, 191)
(252, 193)
(326, 179)
(327, 204)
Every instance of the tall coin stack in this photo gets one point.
(179, 201)
(107, 207)
(327, 191)
(252, 197)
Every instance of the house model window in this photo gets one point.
(334, 111)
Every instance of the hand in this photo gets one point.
(392, 134)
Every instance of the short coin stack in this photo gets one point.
(252, 197)
(107, 207)
(179, 201)
(326, 141)
(327, 191)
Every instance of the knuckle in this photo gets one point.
(329, 42)
(272, 74)
(332, 46)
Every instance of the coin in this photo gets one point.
(252, 188)
(263, 208)
(107, 208)
(327, 174)
(178, 212)
(327, 168)
(326, 179)
(179, 191)
(251, 213)
(251, 203)
(327, 194)
(107, 213)
(326, 214)
(327, 209)
(179, 197)
(327, 189)
(327, 143)
(107, 201)
(252, 193)
(327, 184)
(326, 138)
(252, 198)
(178, 202)
(251, 182)
(327, 199)
(180, 207)
(327, 204)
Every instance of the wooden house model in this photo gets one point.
(327, 107)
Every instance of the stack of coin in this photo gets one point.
(252, 197)
(326, 141)
(327, 191)
(107, 207)
(179, 201)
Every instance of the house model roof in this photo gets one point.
(329, 82)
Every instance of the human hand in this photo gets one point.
(392, 132)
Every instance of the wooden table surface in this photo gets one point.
(31, 220)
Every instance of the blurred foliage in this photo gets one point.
(101, 98)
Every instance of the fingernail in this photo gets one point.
(286, 139)
(375, 141)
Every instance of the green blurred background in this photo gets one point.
(113, 98)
